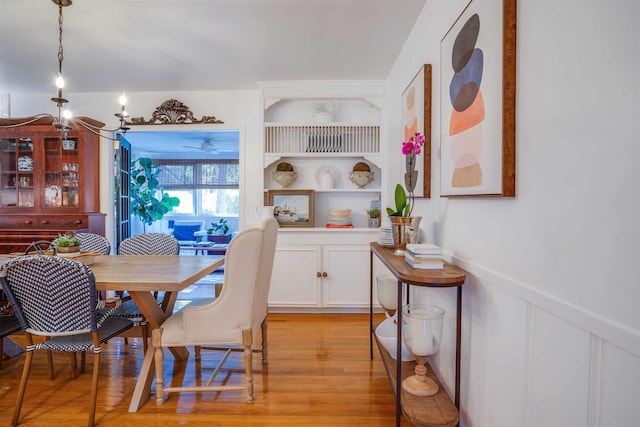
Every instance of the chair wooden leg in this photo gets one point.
(158, 356)
(1, 351)
(22, 388)
(94, 388)
(218, 289)
(83, 361)
(247, 341)
(52, 374)
(265, 346)
(197, 349)
(73, 364)
(145, 337)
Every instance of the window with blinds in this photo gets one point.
(198, 174)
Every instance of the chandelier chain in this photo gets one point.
(60, 50)
(64, 119)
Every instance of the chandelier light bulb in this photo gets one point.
(123, 100)
(66, 114)
(59, 82)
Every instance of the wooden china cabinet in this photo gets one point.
(48, 185)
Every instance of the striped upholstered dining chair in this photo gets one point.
(55, 297)
(97, 243)
(94, 242)
(8, 325)
(144, 244)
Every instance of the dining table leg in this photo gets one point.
(155, 315)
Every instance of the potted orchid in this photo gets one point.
(412, 149)
(403, 226)
(404, 204)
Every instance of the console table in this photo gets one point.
(437, 410)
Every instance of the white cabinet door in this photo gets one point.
(347, 280)
(294, 282)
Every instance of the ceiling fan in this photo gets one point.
(207, 147)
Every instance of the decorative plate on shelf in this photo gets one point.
(25, 163)
(327, 177)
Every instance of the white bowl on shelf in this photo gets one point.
(387, 335)
(339, 212)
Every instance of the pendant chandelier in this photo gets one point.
(64, 120)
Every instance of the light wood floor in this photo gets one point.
(319, 374)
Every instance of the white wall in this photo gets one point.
(551, 329)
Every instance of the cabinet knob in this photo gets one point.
(324, 274)
(27, 221)
(45, 221)
(78, 221)
(318, 274)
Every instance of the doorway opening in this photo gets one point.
(200, 168)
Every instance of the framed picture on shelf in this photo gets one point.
(478, 101)
(416, 117)
(292, 208)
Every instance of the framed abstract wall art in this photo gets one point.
(478, 101)
(416, 117)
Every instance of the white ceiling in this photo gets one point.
(181, 45)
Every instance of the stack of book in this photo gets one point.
(424, 255)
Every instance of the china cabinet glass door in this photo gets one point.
(17, 178)
(61, 173)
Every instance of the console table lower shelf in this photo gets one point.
(431, 411)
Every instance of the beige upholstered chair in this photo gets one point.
(234, 320)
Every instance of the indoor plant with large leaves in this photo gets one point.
(148, 201)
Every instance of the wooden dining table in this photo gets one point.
(141, 276)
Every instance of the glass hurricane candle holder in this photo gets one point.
(387, 331)
(387, 291)
(422, 333)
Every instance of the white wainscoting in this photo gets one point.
(531, 360)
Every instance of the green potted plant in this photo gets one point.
(148, 202)
(67, 243)
(400, 220)
(217, 229)
(404, 227)
(374, 217)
